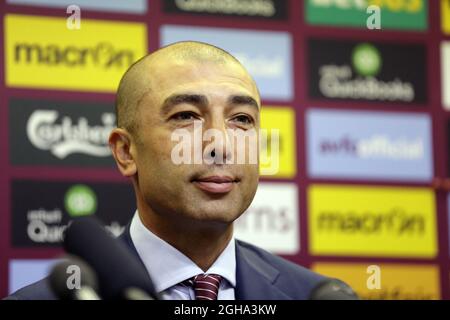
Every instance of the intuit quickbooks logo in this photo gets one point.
(70, 59)
(41, 221)
(266, 9)
(80, 200)
(367, 71)
(395, 14)
(366, 60)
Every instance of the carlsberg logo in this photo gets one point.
(65, 137)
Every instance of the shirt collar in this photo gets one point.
(167, 266)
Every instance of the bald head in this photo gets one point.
(137, 80)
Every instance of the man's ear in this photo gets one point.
(120, 144)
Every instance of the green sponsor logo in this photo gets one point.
(366, 60)
(395, 14)
(80, 200)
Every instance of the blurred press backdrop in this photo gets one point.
(362, 190)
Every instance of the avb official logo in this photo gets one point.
(369, 145)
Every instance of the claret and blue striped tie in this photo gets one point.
(206, 286)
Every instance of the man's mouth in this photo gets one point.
(215, 184)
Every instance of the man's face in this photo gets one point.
(218, 96)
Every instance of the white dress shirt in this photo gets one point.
(168, 267)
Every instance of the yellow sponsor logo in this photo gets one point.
(409, 6)
(445, 16)
(372, 221)
(396, 281)
(282, 156)
(41, 52)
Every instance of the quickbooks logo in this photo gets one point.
(42, 220)
(65, 59)
(80, 200)
(366, 60)
(339, 81)
(48, 226)
(102, 55)
(396, 14)
(367, 71)
(269, 9)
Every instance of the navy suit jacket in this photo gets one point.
(260, 275)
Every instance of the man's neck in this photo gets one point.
(202, 242)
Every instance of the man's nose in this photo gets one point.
(217, 146)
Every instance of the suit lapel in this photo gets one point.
(125, 238)
(255, 278)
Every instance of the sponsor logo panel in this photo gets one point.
(445, 16)
(369, 145)
(23, 272)
(374, 281)
(70, 59)
(395, 14)
(272, 220)
(283, 120)
(266, 9)
(372, 221)
(445, 74)
(367, 71)
(129, 6)
(60, 132)
(40, 221)
(267, 55)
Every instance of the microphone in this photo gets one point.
(73, 279)
(333, 289)
(120, 274)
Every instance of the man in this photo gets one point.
(182, 230)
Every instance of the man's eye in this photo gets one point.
(243, 119)
(183, 116)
